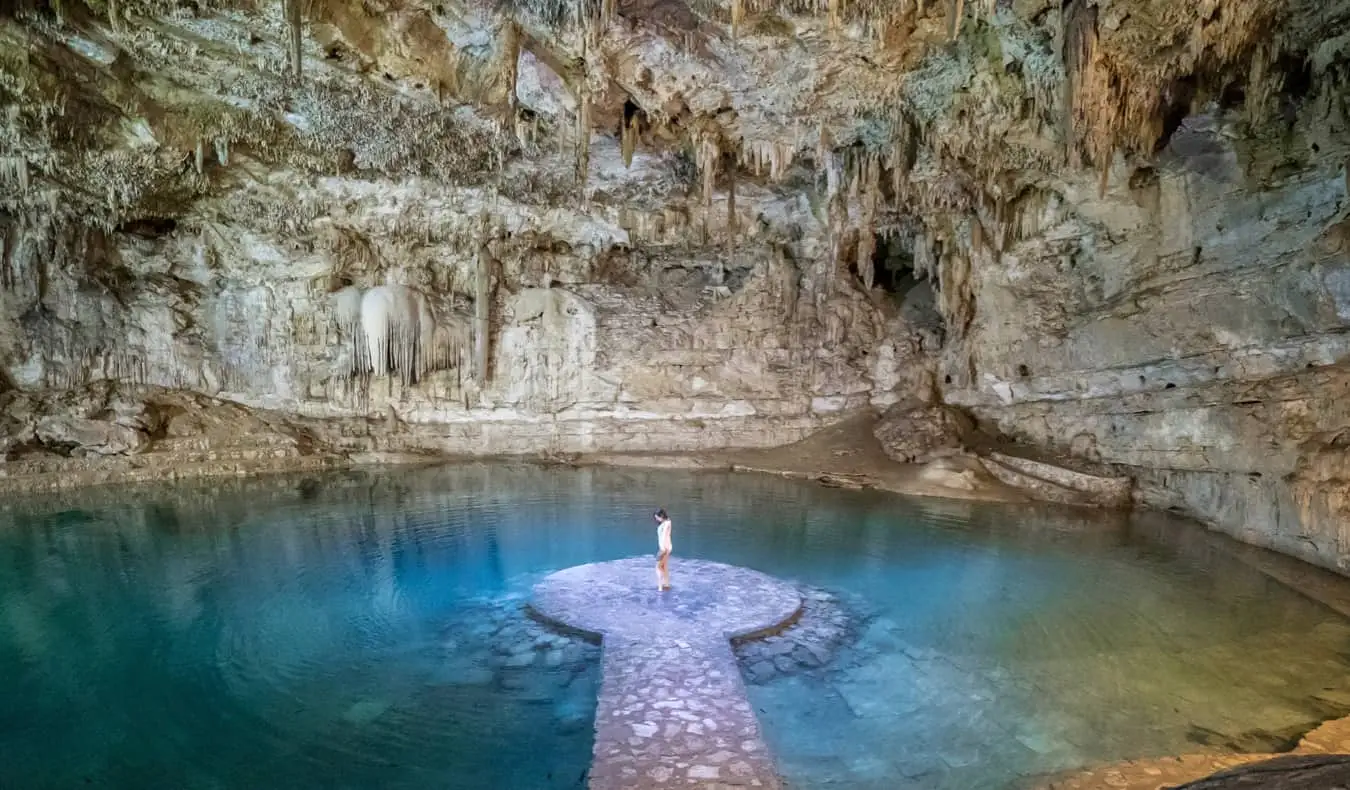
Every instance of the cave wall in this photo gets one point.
(591, 348)
(1188, 324)
(1130, 216)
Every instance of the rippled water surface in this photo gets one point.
(364, 630)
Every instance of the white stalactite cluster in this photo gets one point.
(14, 172)
(393, 331)
(773, 157)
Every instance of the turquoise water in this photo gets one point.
(364, 629)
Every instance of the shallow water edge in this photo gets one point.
(1325, 586)
(1315, 583)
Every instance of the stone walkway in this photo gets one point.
(672, 709)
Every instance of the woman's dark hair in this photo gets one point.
(661, 514)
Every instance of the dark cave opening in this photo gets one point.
(893, 273)
(1298, 76)
(630, 109)
(1233, 96)
(149, 227)
(892, 266)
(1176, 101)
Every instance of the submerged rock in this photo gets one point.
(818, 637)
(365, 712)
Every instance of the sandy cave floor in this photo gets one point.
(845, 455)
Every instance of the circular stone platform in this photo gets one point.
(707, 599)
(672, 709)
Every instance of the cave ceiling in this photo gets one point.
(703, 120)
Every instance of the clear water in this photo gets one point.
(346, 631)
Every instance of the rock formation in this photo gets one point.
(1114, 233)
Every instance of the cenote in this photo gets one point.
(365, 629)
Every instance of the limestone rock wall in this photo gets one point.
(1111, 230)
(1190, 326)
(676, 355)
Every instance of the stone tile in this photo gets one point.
(673, 710)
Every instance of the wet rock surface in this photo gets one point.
(1294, 772)
(829, 624)
(495, 644)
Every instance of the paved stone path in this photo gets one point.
(672, 709)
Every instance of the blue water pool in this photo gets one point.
(362, 630)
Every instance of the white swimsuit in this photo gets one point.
(663, 536)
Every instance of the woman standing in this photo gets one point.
(664, 547)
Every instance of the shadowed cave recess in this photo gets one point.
(1086, 252)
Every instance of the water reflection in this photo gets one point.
(347, 629)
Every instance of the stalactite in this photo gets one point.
(295, 21)
(223, 151)
(731, 203)
(527, 131)
(199, 156)
(871, 198)
(9, 278)
(708, 157)
(958, 15)
(395, 332)
(899, 167)
(116, 366)
(1079, 52)
(14, 172)
(511, 66)
(773, 157)
(583, 144)
(347, 310)
(852, 174)
(629, 139)
(834, 175)
(451, 341)
(482, 308)
(737, 14)
(1027, 220)
(378, 324)
(925, 264)
(823, 152)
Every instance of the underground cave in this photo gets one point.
(989, 356)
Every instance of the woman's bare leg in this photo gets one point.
(663, 571)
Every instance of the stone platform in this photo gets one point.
(672, 709)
